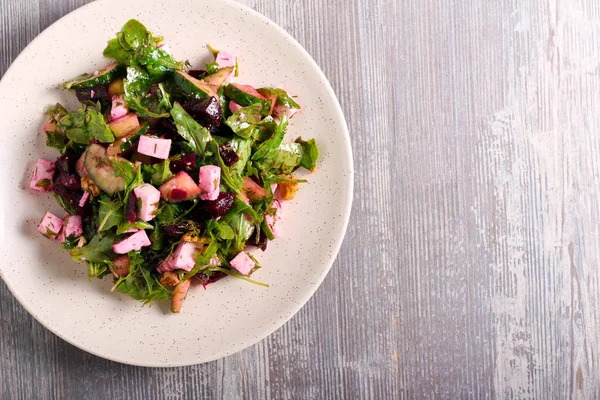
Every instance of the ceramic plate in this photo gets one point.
(230, 314)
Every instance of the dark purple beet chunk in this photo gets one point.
(178, 194)
(71, 182)
(207, 280)
(207, 209)
(65, 165)
(197, 73)
(166, 128)
(258, 239)
(179, 229)
(186, 163)
(72, 197)
(207, 110)
(228, 155)
(131, 210)
(98, 92)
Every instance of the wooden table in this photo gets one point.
(470, 267)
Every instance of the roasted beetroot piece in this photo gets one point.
(207, 209)
(197, 73)
(131, 210)
(258, 239)
(71, 182)
(228, 155)
(207, 111)
(72, 197)
(181, 228)
(65, 164)
(165, 128)
(206, 280)
(185, 163)
(95, 93)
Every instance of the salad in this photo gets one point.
(168, 175)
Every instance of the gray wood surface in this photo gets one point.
(470, 267)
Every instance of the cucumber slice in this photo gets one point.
(103, 77)
(207, 87)
(99, 167)
(216, 80)
(246, 95)
(196, 87)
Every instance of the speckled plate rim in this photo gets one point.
(267, 330)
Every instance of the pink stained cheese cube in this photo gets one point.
(243, 263)
(132, 243)
(50, 226)
(42, 176)
(154, 147)
(209, 180)
(149, 197)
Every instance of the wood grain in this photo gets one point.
(470, 267)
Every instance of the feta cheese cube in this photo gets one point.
(42, 176)
(274, 221)
(50, 226)
(209, 180)
(119, 108)
(227, 59)
(154, 147)
(184, 257)
(132, 243)
(72, 226)
(149, 197)
(243, 263)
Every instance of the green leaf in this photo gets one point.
(68, 207)
(211, 67)
(235, 274)
(141, 284)
(283, 160)
(138, 95)
(273, 142)
(196, 135)
(97, 269)
(57, 141)
(43, 183)
(163, 173)
(135, 34)
(124, 226)
(231, 179)
(116, 51)
(84, 125)
(97, 250)
(243, 121)
(243, 148)
(310, 153)
(110, 214)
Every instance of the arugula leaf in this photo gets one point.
(283, 160)
(85, 125)
(97, 269)
(219, 230)
(97, 250)
(243, 148)
(110, 213)
(57, 141)
(273, 142)
(196, 135)
(235, 274)
(310, 153)
(134, 44)
(231, 179)
(140, 97)
(132, 175)
(124, 226)
(68, 207)
(140, 283)
(162, 173)
(211, 67)
(243, 121)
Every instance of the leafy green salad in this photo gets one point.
(169, 175)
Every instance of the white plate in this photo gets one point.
(231, 314)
